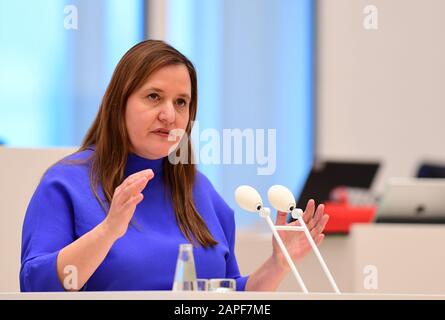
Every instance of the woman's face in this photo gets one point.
(160, 105)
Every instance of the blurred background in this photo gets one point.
(254, 61)
(336, 80)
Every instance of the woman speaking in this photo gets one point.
(114, 212)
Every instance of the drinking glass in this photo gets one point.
(222, 285)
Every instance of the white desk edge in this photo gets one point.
(170, 295)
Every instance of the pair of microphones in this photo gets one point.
(282, 199)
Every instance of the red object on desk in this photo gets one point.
(343, 215)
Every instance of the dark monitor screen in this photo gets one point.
(431, 170)
(327, 175)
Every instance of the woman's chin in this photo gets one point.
(159, 150)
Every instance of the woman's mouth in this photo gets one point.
(162, 132)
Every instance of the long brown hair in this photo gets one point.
(109, 135)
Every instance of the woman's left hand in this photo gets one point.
(295, 241)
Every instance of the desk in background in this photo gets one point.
(409, 259)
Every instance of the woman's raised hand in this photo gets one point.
(296, 242)
(125, 199)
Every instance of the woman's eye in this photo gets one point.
(153, 97)
(181, 103)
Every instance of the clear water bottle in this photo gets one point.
(185, 274)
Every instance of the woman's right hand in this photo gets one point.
(125, 199)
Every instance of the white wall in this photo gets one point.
(20, 173)
(380, 93)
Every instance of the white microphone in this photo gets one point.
(282, 199)
(250, 200)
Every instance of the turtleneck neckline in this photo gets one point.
(137, 163)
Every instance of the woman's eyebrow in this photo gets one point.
(184, 95)
(153, 89)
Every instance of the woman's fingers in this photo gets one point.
(295, 223)
(319, 239)
(307, 215)
(135, 176)
(316, 218)
(281, 218)
(317, 224)
(130, 180)
(309, 211)
(133, 201)
(137, 186)
(148, 173)
(132, 189)
(318, 229)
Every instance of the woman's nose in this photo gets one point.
(167, 113)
